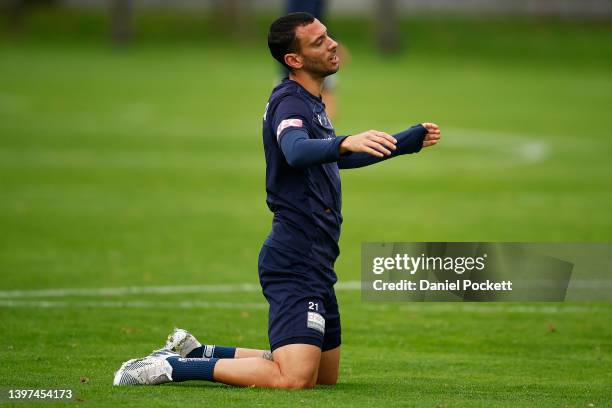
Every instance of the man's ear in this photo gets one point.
(294, 60)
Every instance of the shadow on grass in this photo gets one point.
(338, 388)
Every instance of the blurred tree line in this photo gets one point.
(233, 15)
(16, 10)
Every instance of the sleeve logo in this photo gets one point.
(316, 321)
(287, 123)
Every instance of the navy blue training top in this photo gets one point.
(306, 202)
(302, 172)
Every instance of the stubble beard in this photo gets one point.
(318, 68)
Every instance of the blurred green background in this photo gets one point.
(138, 163)
(141, 163)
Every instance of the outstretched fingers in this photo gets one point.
(431, 127)
(389, 140)
(372, 142)
(378, 146)
(371, 149)
(380, 142)
(433, 134)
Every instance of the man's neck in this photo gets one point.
(311, 84)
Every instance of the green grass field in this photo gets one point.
(144, 167)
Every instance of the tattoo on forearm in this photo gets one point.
(267, 355)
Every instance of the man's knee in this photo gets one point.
(298, 366)
(297, 383)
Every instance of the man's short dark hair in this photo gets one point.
(281, 37)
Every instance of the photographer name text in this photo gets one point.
(447, 285)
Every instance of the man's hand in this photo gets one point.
(433, 134)
(373, 142)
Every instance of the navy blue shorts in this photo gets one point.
(303, 305)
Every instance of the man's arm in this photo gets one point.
(300, 151)
(290, 122)
(408, 141)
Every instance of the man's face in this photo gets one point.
(317, 50)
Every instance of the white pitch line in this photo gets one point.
(140, 290)
(130, 290)
(527, 148)
(19, 299)
(131, 304)
(213, 288)
(451, 307)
